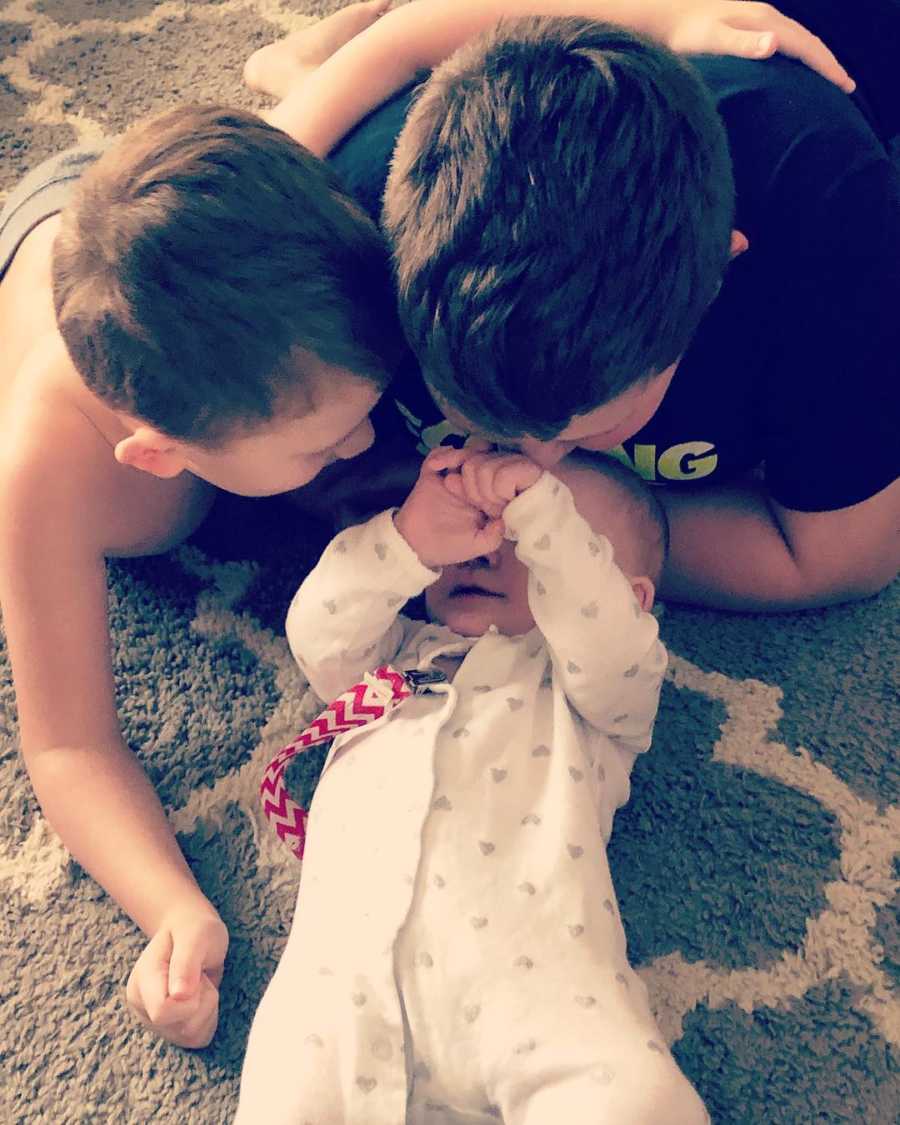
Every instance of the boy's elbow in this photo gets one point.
(846, 555)
(853, 582)
(867, 586)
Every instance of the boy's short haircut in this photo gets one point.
(560, 207)
(202, 253)
(641, 505)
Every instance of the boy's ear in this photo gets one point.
(739, 243)
(644, 591)
(151, 452)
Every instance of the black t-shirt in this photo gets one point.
(795, 366)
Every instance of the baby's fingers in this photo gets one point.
(454, 485)
(490, 537)
(477, 476)
(187, 1023)
(514, 476)
(443, 458)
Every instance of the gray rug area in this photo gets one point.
(755, 865)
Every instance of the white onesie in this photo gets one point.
(456, 953)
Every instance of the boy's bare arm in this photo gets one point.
(416, 37)
(58, 516)
(736, 548)
(64, 504)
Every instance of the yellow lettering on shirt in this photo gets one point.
(644, 462)
(688, 460)
(432, 436)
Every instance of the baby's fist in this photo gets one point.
(490, 480)
(440, 524)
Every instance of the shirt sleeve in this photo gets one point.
(343, 620)
(605, 649)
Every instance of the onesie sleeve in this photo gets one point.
(606, 650)
(343, 620)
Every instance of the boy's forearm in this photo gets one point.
(368, 69)
(733, 548)
(103, 807)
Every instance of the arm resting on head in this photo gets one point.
(387, 56)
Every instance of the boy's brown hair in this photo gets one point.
(201, 253)
(560, 207)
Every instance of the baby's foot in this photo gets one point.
(275, 67)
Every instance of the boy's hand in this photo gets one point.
(438, 521)
(174, 987)
(748, 30)
(490, 480)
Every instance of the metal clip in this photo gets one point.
(421, 680)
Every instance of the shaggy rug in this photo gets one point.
(755, 863)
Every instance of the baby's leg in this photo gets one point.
(587, 1048)
(275, 67)
(291, 1072)
(648, 1091)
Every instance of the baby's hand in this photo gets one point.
(490, 480)
(438, 521)
(174, 987)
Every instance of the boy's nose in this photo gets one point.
(546, 453)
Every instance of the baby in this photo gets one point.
(456, 953)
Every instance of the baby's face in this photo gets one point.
(493, 589)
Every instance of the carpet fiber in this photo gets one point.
(755, 865)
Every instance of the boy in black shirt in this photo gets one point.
(783, 405)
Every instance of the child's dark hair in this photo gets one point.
(560, 207)
(204, 252)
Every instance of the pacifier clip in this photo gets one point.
(377, 695)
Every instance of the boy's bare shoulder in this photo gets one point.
(59, 477)
(52, 459)
(47, 450)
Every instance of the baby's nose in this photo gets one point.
(489, 561)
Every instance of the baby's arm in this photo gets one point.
(343, 619)
(388, 55)
(606, 650)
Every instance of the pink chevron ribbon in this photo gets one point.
(380, 692)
